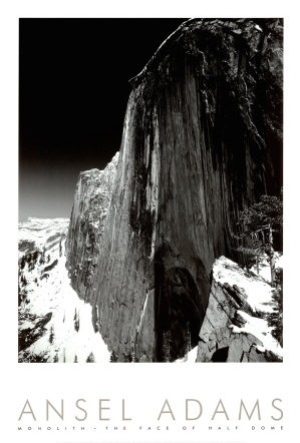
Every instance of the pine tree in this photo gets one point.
(275, 318)
(51, 335)
(76, 321)
(258, 223)
(91, 358)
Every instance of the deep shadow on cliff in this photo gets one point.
(202, 138)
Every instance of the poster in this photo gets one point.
(149, 402)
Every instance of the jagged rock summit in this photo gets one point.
(202, 137)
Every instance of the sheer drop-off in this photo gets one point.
(202, 137)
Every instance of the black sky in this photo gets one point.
(73, 91)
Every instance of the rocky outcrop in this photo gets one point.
(91, 201)
(235, 327)
(202, 137)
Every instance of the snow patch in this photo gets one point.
(258, 327)
(190, 357)
(52, 310)
(258, 293)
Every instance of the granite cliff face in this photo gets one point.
(91, 201)
(202, 137)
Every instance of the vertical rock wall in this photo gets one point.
(91, 201)
(202, 137)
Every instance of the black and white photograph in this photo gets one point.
(149, 214)
(150, 190)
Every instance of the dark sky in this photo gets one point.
(73, 91)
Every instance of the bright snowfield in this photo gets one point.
(54, 324)
(258, 294)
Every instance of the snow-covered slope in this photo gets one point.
(54, 324)
(237, 326)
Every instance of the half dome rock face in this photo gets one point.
(202, 138)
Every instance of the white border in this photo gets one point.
(145, 386)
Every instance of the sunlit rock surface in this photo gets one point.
(91, 201)
(235, 327)
(202, 137)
